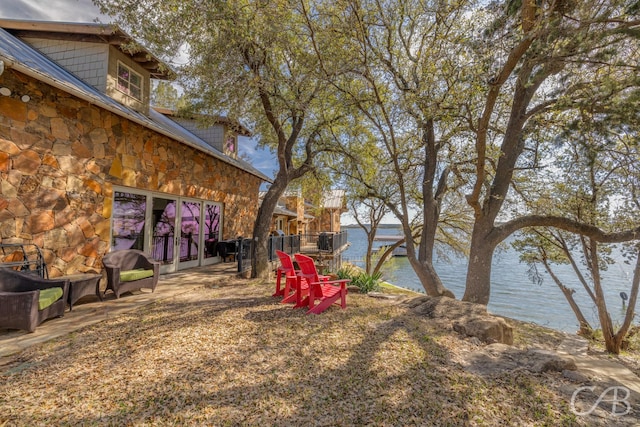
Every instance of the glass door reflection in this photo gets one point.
(189, 233)
(164, 231)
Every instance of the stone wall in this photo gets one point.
(325, 217)
(61, 156)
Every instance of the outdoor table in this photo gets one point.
(82, 285)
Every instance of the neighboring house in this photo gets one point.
(295, 215)
(318, 228)
(333, 205)
(86, 166)
(290, 215)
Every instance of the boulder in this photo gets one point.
(495, 359)
(466, 318)
(488, 329)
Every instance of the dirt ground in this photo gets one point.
(230, 354)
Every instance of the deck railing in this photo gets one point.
(289, 244)
(310, 243)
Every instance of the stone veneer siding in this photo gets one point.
(61, 156)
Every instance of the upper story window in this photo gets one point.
(129, 82)
(231, 146)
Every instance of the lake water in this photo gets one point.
(513, 293)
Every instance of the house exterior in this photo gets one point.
(333, 205)
(299, 226)
(295, 215)
(87, 166)
(222, 135)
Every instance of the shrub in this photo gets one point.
(365, 282)
(347, 272)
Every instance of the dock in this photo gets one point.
(400, 250)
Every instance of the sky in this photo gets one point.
(51, 10)
(86, 11)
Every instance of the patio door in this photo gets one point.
(163, 239)
(178, 232)
(196, 240)
(212, 232)
(190, 242)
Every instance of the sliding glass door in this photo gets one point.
(129, 217)
(177, 232)
(212, 222)
(190, 234)
(163, 240)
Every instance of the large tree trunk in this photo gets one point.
(478, 285)
(431, 199)
(430, 279)
(260, 256)
(613, 341)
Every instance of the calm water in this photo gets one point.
(513, 293)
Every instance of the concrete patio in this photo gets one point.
(90, 310)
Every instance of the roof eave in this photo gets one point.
(92, 32)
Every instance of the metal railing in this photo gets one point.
(244, 249)
(289, 244)
(26, 257)
(318, 243)
(307, 243)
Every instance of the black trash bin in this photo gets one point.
(323, 242)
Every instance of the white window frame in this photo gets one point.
(127, 90)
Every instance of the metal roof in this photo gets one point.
(92, 33)
(285, 212)
(197, 118)
(20, 56)
(333, 199)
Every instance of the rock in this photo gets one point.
(380, 295)
(474, 341)
(445, 307)
(499, 358)
(575, 376)
(488, 363)
(465, 318)
(546, 360)
(487, 329)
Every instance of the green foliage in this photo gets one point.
(365, 282)
(348, 271)
(426, 106)
(166, 95)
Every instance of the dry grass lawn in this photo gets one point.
(230, 354)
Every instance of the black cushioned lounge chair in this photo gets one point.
(129, 270)
(27, 300)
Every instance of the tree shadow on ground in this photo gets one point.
(210, 358)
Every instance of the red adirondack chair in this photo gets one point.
(323, 291)
(295, 288)
(286, 265)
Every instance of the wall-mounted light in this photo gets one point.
(5, 91)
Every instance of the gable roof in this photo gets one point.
(91, 33)
(196, 118)
(333, 199)
(20, 56)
